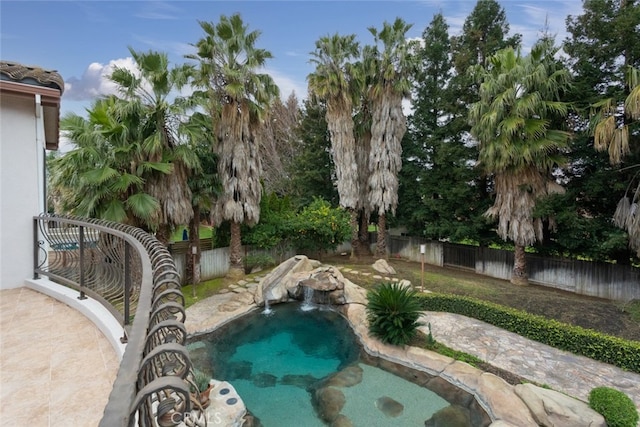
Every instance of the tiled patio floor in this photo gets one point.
(56, 367)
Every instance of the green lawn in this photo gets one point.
(206, 232)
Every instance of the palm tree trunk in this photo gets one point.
(194, 242)
(354, 233)
(381, 244)
(519, 276)
(236, 269)
(163, 234)
(363, 234)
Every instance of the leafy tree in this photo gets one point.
(319, 227)
(330, 82)
(484, 32)
(434, 153)
(394, 64)
(313, 172)
(518, 145)
(275, 229)
(237, 98)
(603, 59)
(279, 144)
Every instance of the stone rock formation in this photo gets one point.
(382, 266)
(552, 408)
(389, 407)
(328, 402)
(289, 280)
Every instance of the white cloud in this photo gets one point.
(287, 85)
(95, 81)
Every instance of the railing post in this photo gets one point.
(127, 288)
(36, 261)
(82, 267)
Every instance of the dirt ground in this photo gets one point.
(588, 312)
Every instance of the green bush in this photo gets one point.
(258, 260)
(393, 313)
(615, 406)
(595, 345)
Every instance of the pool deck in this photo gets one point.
(56, 366)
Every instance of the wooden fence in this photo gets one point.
(603, 280)
(598, 279)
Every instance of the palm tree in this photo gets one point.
(237, 96)
(513, 122)
(203, 183)
(331, 83)
(394, 65)
(104, 175)
(612, 122)
(147, 90)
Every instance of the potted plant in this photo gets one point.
(200, 387)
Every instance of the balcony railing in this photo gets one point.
(135, 278)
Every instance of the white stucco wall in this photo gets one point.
(19, 199)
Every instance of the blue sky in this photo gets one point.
(83, 39)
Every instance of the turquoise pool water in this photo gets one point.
(278, 363)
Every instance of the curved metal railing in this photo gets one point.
(135, 278)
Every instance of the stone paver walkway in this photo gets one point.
(539, 363)
(56, 366)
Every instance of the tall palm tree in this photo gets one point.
(612, 123)
(203, 183)
(362, 73)
(236, 96)
(148, 90)
(331, 82)
(394, 65)
(513, 123)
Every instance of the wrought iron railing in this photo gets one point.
(134, 277)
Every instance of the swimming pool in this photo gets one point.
(305, 368)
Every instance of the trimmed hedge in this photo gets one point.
(595, 345)
(615, 406)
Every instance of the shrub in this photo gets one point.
(615, 406)
(595, 345)
(258, 260)
(393, 313)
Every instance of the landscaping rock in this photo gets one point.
(328, 402)
(382, 266)
(503, 401)
(264, 380)
(554, 409)
(342, 421)
(348, 377)
(389, 407)
(301, 381)
(451, 416)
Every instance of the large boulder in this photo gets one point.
(328, 402)
(450, 416)
(382, 266)
(274, 287)
(552, 408)
(388, 406)
(290, 279)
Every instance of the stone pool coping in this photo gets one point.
(492, 393)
